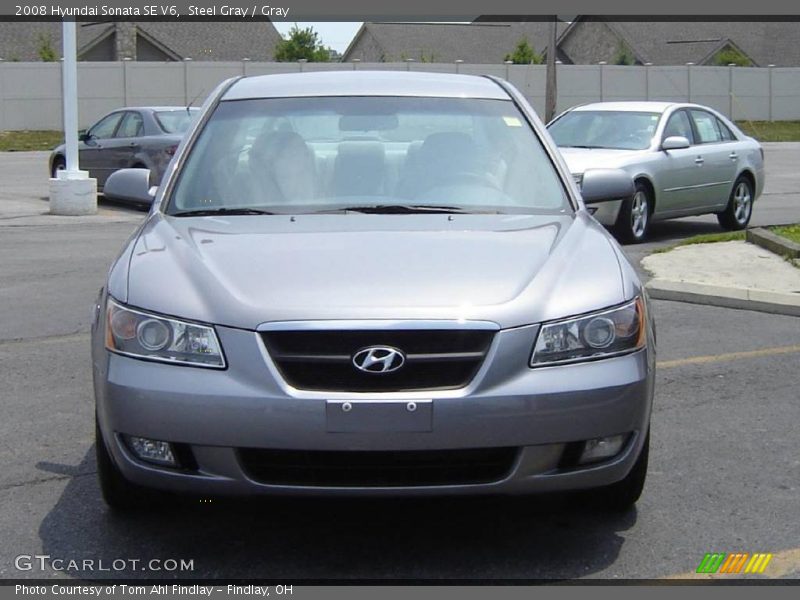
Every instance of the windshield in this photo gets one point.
(378, 154)
(176, 121)
(619, 130)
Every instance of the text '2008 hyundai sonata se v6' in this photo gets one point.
(371, 283)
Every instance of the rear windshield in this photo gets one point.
(619, 130)
(296, 155)
(175, 121)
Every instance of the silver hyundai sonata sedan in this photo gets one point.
(371, 283)
(685, 160)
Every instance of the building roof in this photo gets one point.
(216, 40)
(365, 83)
(679, 42)
(480, 42)
(199, 40)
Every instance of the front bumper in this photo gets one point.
(215, 412)
(606, 213)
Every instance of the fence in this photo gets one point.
(30, 93)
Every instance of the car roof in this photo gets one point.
(157, 108)
(633, 106)
(365, 83)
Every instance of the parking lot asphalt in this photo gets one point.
(724, 473)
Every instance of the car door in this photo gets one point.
(680, 171)
(94, 156)
(720, 160)
(126, 142)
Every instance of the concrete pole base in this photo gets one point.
(73, 194)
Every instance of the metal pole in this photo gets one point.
(602, 64)
(551, 92)
(69, 81)
(72, 191)
(770, 90)
(730, 91)
(125, 62)
(186, 62)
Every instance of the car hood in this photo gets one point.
(580, 159)
(245, 271)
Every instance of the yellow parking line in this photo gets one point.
(779, 564)
(714, 358)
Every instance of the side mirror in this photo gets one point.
(675, 142)
(83, 135)
(603, 185)
(130, 185)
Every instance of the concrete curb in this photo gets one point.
(727, 297)
(773, 242)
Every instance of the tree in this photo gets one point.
(302, 43)
(524, 54)
(45, 50)
(731, 56)
(623, 55)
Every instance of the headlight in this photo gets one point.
(153, 337)
(602, 334)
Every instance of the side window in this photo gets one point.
(104, 128)
(725, 132)
(679, 125)
(706, 126)
(131, 126)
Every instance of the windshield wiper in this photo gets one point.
(222, 211)
(407, 209)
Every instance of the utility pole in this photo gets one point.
(551, 89)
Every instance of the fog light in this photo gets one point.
(601, 448)
(152, 451)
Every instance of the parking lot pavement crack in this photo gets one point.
(40, 480)
(59, 337)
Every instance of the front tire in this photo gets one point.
(737, 214)
(633, 221)
(621, 496)
(119, 493)
(59, 164)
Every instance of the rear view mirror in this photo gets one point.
(83, 135)
(675, 142)
(130, 185)
(602, 185)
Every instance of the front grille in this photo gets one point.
(405, 468)
(323, 360)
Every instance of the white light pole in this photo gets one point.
(551, 93)
(72, 192)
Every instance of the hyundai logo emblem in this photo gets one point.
(379, 359)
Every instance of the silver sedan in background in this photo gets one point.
(132, 137)
(685, 160)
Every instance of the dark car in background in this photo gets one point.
(143, 137)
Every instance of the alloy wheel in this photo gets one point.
(742, 202)
(639, 214)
